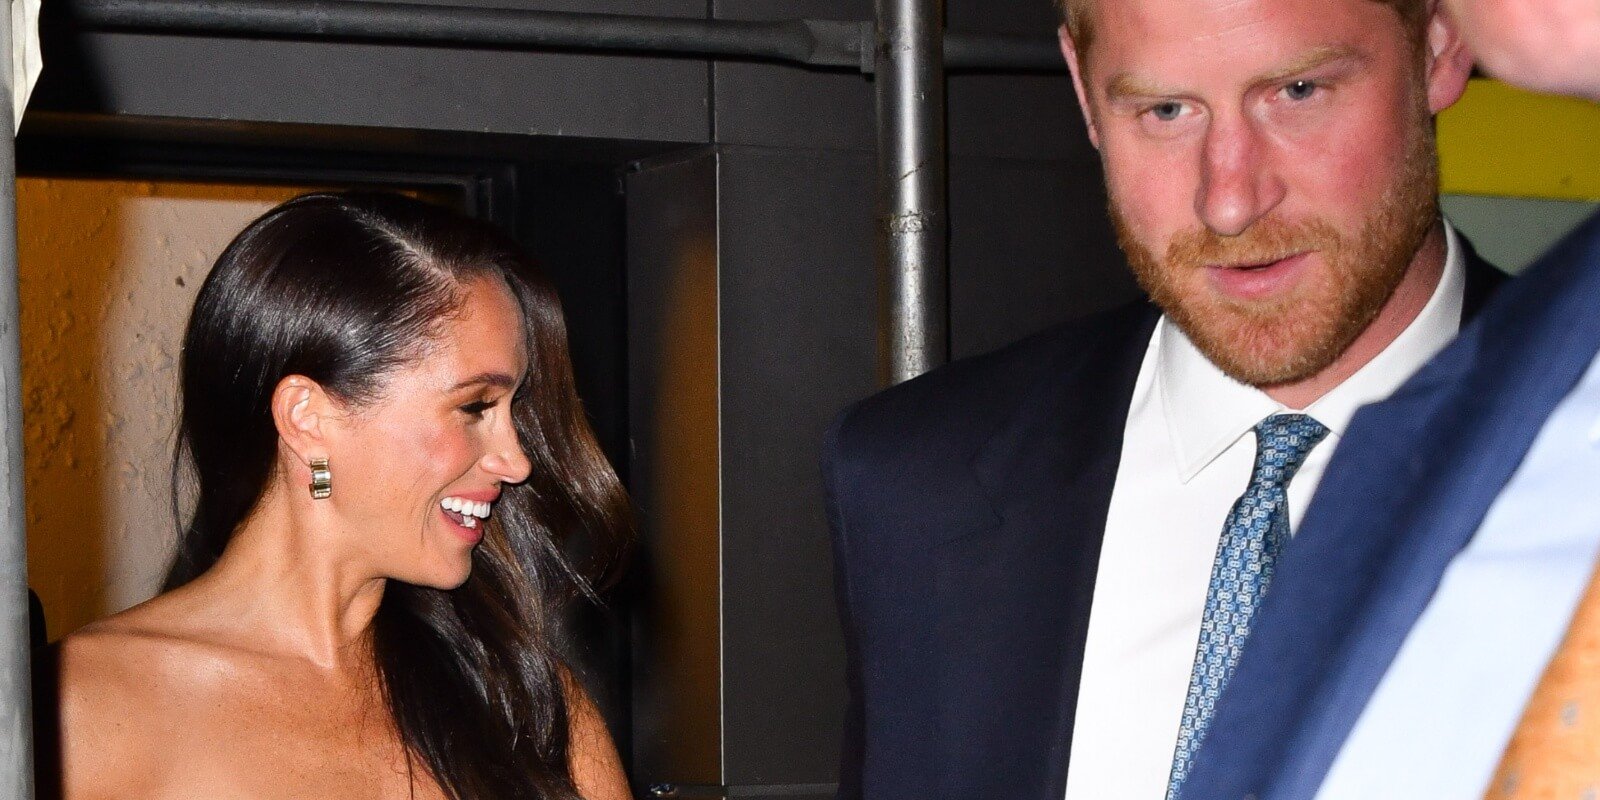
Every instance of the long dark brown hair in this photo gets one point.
(345, 289)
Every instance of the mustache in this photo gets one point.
(1265, 241)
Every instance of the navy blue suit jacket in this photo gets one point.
(968, 508)
(1410, 484)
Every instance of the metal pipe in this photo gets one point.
(792, 40)
(16, 706)
(813, 42)
(913, 223)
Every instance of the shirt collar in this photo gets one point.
(1207, 411)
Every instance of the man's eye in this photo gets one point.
(1300, 90)
(1167, 112)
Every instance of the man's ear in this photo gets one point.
(1449, 61)
(1069, 51)
(302, 412)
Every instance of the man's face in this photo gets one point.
(1270, 165)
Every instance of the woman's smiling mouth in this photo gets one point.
(467, 515)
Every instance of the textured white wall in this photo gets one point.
(109, 270)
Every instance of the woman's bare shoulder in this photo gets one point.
(117, 683)
(117, 663)
(130, 654)
(98, 711)
(592, 756)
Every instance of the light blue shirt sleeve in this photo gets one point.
(1446, 708)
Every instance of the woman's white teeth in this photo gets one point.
(466, 508)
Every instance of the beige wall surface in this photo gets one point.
(109, 270)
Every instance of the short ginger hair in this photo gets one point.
(1414, 14)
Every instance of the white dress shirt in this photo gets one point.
(1446, 708)
(1187, 453)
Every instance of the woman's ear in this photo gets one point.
(302, 412)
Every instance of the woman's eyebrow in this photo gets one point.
(499, 380)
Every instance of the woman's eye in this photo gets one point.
(1300, 90)
(476, 409)
(1168, 111)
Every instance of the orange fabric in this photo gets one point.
(1555, 750)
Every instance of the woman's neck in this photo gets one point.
(285, 584)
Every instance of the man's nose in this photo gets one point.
(1237, 183)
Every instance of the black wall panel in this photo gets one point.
(786, 106)
(797, 275)
(675, 470)
(440, 88)
(1030, 246)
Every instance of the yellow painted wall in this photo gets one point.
(109, 270)
(1502, 141)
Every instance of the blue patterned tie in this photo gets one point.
(1256, 530)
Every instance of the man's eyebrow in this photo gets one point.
(1124, 85)
(1310, 60)
(499, 380)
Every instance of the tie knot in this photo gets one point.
(1282, 443)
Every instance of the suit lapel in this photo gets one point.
(1411, 483)
(1014, 597)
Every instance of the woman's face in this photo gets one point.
(416, 474)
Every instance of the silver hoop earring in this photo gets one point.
(321, 479)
